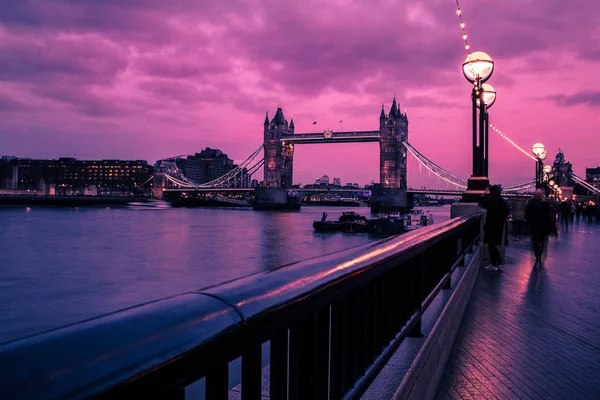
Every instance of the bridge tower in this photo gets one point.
(562, 170)
(279, 156)
(393, 129)
(391, 193)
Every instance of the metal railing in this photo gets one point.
(331, 322)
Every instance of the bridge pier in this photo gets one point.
(158, 193)
(273, 198)
(389, 199)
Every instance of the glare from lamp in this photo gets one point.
(478, 65)
(489, 95)
(539, 151)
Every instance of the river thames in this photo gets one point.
(61, 266)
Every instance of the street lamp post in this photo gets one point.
(540, 153)
(477, 69)
(547, 178)
(488, 95)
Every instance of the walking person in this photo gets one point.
(497, 212)
(518, 217)
(541, 225)
(572, 212)
(564, 214)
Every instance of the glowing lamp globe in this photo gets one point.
(539, 151)
(551, 183)
(478, 65)
(555, 186)
(548, 169)
(489, 95)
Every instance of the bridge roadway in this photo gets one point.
(533, 333)
(332, 137)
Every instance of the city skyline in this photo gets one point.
(148, 80)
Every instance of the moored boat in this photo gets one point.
(349, 221)
(417, 218)
(390, 225)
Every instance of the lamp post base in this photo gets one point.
(476, 186)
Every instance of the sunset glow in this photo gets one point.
(148, 79)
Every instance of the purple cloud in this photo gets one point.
(135, 69)
(587, 97)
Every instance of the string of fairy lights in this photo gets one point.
(459, 13)
(464, 31)
(509, 140)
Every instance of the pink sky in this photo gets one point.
(146, 79)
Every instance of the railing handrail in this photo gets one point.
(88, 358)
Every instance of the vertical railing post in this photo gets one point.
(251, 372)
(337, 350)
(279, 366)
(217, 381)
(303, 359)
(418, 268)
(358, 333)
(449, 251)
(369, 349)
(323, 354)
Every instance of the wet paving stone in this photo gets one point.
(533, 332)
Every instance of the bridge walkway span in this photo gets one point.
(532, 332)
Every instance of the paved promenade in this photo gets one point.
(529, 333)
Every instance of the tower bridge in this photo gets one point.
(276, 157)
(280, 139)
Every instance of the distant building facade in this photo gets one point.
(337, 182)
(203, 167)
(206, 166)
(73, 176)
(323, 180)
(592, 176)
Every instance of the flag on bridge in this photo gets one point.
(314, 123)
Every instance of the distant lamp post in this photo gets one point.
(477, 69)
(540, 153)
(548, 175)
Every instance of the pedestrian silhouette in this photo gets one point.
(497, 212)
(540, 224)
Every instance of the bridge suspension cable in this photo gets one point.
(520, 186)
(453, 179)
(434, 168)
(585, 184)
(233, 178)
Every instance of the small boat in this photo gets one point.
(352, 216)
(389, 225)
(327, 226)
(349, 221)
(357, 226)
(416, 219)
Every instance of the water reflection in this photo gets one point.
(58, 266)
